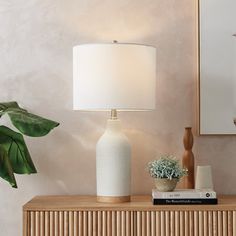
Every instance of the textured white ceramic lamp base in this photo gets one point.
(113, 164)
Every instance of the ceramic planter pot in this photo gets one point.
(165, 185)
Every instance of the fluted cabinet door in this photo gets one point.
(123, 223)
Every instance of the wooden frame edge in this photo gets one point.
(198, 66)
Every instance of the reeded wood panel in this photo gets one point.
(130, 223)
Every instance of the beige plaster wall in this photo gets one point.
(36, 40)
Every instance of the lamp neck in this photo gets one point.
(113, 114)
(113, 126)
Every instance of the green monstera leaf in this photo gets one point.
(14, 154)
(5, 105)
(30, 124)
(17, 151)
(6, 171)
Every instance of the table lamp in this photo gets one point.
(114, 77)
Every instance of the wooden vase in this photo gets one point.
(188, 158)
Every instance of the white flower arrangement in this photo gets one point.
(166, 167)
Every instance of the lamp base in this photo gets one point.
(108, 199)
(113, 161)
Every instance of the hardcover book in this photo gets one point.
(185, 194)
(193, 201)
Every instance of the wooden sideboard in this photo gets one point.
(83, 216)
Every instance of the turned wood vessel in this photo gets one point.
(188, 158)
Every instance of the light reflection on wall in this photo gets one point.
(108, 20)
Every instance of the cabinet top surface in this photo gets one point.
(138, 203)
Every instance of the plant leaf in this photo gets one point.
(6, 105)
(30, 124)
(17, 151)
(6, 171)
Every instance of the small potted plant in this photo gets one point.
(167, 172)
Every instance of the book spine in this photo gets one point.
(185, 201)
(205, 195)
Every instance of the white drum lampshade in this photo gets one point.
(114, 77)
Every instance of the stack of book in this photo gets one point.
(184, 197)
